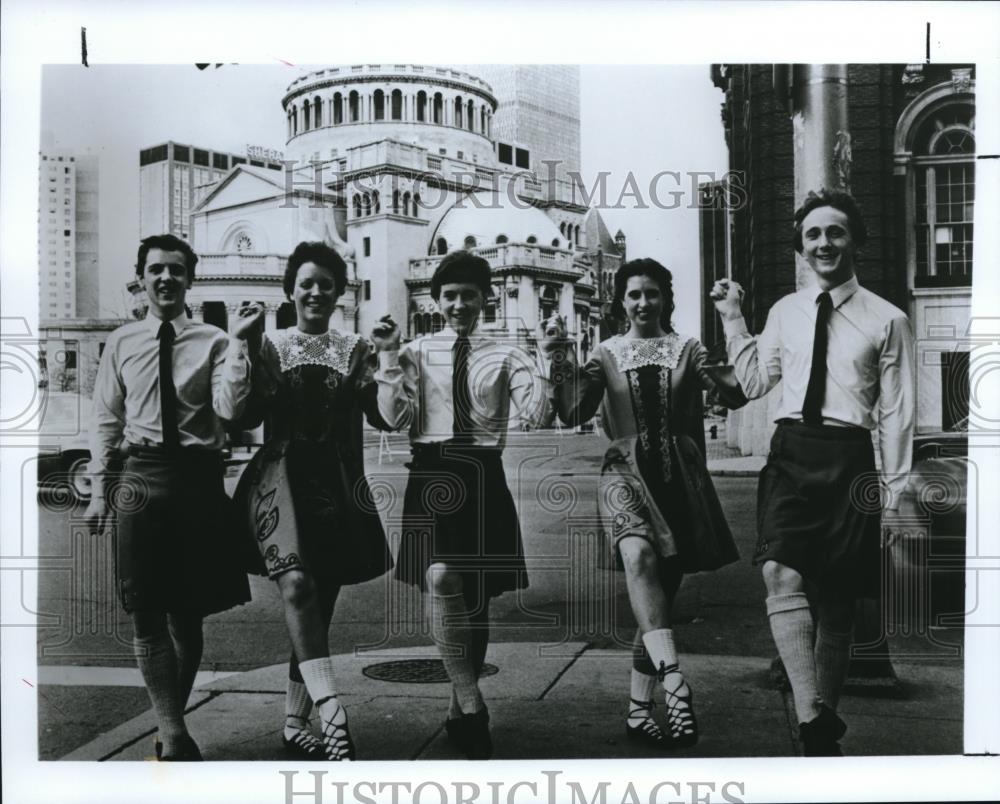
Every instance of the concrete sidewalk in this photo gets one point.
(553, 702)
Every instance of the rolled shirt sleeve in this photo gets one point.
(397, 378)
(108, 418)
(577, 392)
(231, 379)
(756, 360)
(529, 390)
(896, 405)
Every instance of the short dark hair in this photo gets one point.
(837, 199)
(461, 266)
(320, 254)
(166, 242)
(645, 266)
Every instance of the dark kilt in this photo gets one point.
(818, 506)
(175, 549)
(458, 510)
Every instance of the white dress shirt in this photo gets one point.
(127, 389)
(869, 364)
(415, 388)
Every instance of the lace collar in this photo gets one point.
(633, 353)
(331, 348)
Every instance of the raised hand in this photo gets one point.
(385, 335)
(251, 317)
(554, 334)
(727, 295)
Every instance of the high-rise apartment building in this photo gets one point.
(173, 178)
(68, 273)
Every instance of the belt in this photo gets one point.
(445, 449)
(159, 451)
(848, 432)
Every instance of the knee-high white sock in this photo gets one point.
(833, 655)
(449, 621)
(663, 653)
(158, 665)
(298, 705)
(319, 680)
(793, 631)
(641, 686)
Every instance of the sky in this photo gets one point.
(628, 127)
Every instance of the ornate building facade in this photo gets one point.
(394, 166)
(912, 137)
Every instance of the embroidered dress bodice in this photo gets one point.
(312, 371)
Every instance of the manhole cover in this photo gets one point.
(416, 671)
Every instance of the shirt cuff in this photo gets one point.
(734, 326)
(388, 359)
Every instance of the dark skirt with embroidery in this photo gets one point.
(309, 509)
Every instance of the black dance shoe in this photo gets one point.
(186, 751)
(471, 734)
(647, 731)
(305, 746)
(679, 703)
(820, 735)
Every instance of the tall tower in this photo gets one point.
(68, 187)
(538, 116)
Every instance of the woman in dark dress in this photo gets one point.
(648, 384)
(304, 495)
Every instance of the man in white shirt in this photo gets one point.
(461, 541)
(157, 391)
(845, 360)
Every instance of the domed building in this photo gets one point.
(395, 166)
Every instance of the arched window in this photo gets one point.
(501, 238)
(338, 109)
(437, 322)
(395, 201)
(376, 202)
(943, 148)
(442, 246)
(470, 115)
(406, 203)
(482, 120)
(548, 299)
(555, 242)
(531, 239)
(379, 104)
(357, 206)
(562, 228)
(366, 204)
(438, 108)
(421, 106)
(458, 111)
(353, 104)
(418, 325)
(317, 112)
(397, 105)
(306, 116)
(295, 120)
(291, 123)
(416, 205)
(470, 242)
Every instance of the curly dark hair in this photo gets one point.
(461, 266)
(837, 199)
(645, 266)
(166, 242)
(320, 254)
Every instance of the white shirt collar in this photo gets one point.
(179, 322)
(844, 291)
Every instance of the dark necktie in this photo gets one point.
(168, 393)
(811, 407)
(460, 397)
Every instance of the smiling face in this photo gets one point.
(643, 302)
(460, 303)
(165, 280)
(828, 246)
(315, 296)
